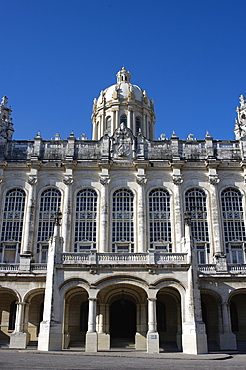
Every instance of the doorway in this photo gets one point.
(123, 319)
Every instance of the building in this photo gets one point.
(123, 238)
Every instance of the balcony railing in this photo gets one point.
(124, 258)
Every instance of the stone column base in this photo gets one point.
(228, 341)
(19, 340)
(194, 338)
(153, 342)
(91, 342)
(140, 342)
(50, 337)
(66, 340)
(103, 342)
(179, 341)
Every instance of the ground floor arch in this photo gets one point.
(8, 306)
(122, 316)
(75, 317)
(211, 307)
(168, 312)
(238, 317)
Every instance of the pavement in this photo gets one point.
(133, 354)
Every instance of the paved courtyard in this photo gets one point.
(14, 359)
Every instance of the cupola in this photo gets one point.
(123, 103)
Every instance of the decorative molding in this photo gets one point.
(32, 180)
(141, 180)
(68, 180)
(105, 180)
(214, 179)
(177, 179)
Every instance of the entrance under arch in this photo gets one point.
(123, 319)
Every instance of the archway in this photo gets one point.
(8, 300)
(168, 313)
(210, 311)
(238, 318)
(75, 317)
(123, 319)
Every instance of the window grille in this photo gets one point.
(195, 204)
(86, 220)
(122, 225)
(50, 203)
(159, 220)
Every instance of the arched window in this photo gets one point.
(86, 217)
(122, 225)
(195, 205)
(108, 125)
(138, 124)
(12, 225)
(233, 224)
(159, 220)
(50, 203)
(123, 119)
(84, 309)
(12, 315)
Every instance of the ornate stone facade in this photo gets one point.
(123, 239)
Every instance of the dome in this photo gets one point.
(123, 89)
(123, 102)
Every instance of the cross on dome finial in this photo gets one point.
(123, 76)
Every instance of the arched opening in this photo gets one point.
(8, 306)
(238, 318)
(75, 318)
(168, 313)
(35, 317)
(123, 319)
(210, 311)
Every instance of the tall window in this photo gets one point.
(86, 216)
(233, 223)
(138, 124)
(12, 226)
(50, 203)
(159, 220)
(195, 204)
(123, 119)
(108, 125)
(122, 225)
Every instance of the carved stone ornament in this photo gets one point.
(220, 263)
(141, 180)
(105, 180)
(32, 180)
(122, 141)
(214, 179)
(68, 180)
(177, 179)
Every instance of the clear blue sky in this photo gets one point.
(189, 55)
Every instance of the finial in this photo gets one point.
(207, 134)
(38, 134)
(174, 134)
(4, 101)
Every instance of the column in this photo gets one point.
(129, 120)
(18, 338)
(140, 337)
(152, 335)
(103, 244)
(91, 335)
(141, 246)
(194, 338)
(66, 221)
(214, 207)
(177, 225)
(27, 250)
(50, 336)
(103, 337)
(227, 338)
